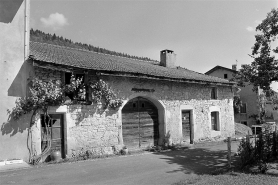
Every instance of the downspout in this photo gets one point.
(25, 31)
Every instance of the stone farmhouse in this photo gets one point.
(162, 104)
(248, 96)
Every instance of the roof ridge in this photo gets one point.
(146, 61)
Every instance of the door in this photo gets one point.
(186, 127)
(55, 134)
(140, 123)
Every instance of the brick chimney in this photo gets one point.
(234, 67)
(167, 58)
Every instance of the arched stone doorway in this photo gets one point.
(140, 123)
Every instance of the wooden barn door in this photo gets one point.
(140, 123)
(56, 134)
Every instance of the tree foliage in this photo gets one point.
(264, 69)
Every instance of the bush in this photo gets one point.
(260, 153)
(246, 152)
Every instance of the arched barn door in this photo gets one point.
(140, 123)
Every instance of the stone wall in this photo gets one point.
(48, 74)
(90, 128)
(99, 131)
(173, 95)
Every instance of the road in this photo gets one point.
(147, 168)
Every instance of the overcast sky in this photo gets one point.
(203, 34)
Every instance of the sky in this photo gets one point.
(203, 34)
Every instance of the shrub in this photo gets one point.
(246, 152)
(260, 153)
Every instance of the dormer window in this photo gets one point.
(225, 76)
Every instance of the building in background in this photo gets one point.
(248, 97)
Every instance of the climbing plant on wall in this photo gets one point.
(102, 92)
(44, 94)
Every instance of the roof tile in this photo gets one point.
(102, 62)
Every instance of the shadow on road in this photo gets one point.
(199, 161)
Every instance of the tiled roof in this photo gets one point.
(60, 55)
(219, 67)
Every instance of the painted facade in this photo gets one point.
(14, 42)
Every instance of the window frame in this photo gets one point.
(84, 80)
(213, 132)
(243, 122)
(216, 125)
(243, 108)
(213, 93)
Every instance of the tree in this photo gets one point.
(264, 69)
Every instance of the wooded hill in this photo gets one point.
(39, 36)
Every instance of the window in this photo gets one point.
(225, 76)
(243, 108)
(215, 121)
(134, 104)
(244, 122)
(68, 76)
(213, 93)
(143, 105)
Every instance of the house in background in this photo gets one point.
(248, 97)
(162, 104)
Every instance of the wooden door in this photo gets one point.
(140, 123)
(186, 127)
(56, 134)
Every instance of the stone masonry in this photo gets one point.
(99, 131)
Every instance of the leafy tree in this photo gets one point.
(264, 68)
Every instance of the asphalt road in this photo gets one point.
(148, 168)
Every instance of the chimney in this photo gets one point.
(167, 58)
(234, 67)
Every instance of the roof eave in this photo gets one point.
(66, 68)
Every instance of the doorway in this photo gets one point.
(187, 131)
(140, 123)
(56, 135)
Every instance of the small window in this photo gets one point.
(215, 121)
(213, 94)
(67, 78)
(225, 76)
(143, 105)
(134, 105)
(243, 108)
(244, 122)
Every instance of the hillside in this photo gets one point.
(40, 36)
